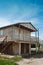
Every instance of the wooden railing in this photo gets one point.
(21, 38)
(25, 38)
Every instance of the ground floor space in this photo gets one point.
(16, 48)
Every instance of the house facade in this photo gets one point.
(16, 38)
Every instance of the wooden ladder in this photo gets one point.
(5, 47)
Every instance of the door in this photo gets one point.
(22, 48)
(27, 48)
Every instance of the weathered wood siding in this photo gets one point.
(14, 33)
(7, 32)
(15, 48)
(21, 34)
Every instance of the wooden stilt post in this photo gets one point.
(30, 49)
(19, 48)
(30, 46)
(36, 41)
(19, 43)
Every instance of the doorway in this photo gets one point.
(24, 48)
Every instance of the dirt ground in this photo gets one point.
(35, 60)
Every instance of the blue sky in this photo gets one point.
(13, 11)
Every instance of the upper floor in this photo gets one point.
(18, 31)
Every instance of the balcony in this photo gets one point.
(25, 39)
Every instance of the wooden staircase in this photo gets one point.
(5, 47)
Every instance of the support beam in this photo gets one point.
(24, 48)
(29, 48)
(19, 48)
(36, 41)
(19, 33)
(36, 47)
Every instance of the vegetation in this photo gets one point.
(41, 44)
(9, 61)
(16, 58)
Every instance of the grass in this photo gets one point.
(17, 58)
(9, 61)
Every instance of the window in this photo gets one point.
(33, 46)
(1, 32)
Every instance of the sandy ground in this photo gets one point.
(8, 56)
(35, 60)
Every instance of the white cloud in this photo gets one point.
(34, 20)
(4, 22)
(29, 12)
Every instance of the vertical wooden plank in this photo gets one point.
(29, 48)
(19, 48)
(19, 32)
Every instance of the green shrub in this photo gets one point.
(7, 62)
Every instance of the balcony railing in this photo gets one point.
(25, 38)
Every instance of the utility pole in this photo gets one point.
(38, 41)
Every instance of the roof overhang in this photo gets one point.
(27, 26)
(23, 25)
